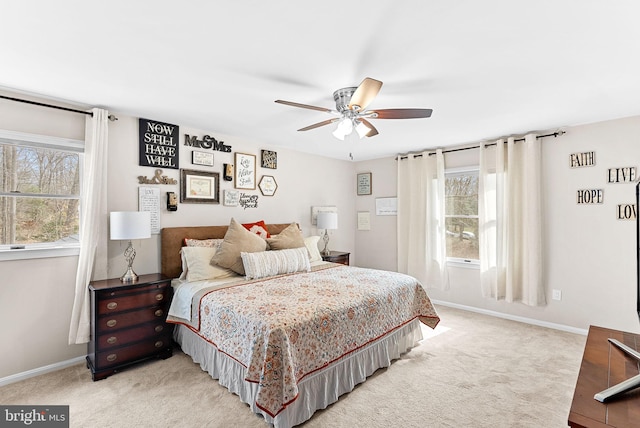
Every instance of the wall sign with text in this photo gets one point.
(621, 175)
(158, 143)
(206, 142)
(579, 160)
(589, 196)
(363, 183)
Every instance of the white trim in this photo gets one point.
(461, 263)
(38, 140)
(525, 320)
(39, 253)
(41, 370)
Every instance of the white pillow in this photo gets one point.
(198, 264)
(269, 263)
(311, 243)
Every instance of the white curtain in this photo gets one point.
(421, 228)
(93, 206)
(510, 211)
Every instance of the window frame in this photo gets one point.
(459, 261)
(43, 250)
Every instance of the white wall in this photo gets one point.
(589, 255)
(36, 296)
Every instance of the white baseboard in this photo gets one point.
(41, 370)
(513, 317)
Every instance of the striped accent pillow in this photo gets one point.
(269, 263)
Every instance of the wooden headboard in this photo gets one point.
(172, 240)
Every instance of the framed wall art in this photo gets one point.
(199, 187)
(202, 158)
(269, 159)
(363, 183)
(268, 185)
(245, 171)
(231, 198)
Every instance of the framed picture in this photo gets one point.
(268, 185)
(245, 171)
(363, 183)
(231, 198)
(199, 187)
(202, 158)
(269, 159)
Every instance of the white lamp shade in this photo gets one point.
(126, 225)
(327, 220)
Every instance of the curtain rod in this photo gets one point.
(553, 134)
(111, 117)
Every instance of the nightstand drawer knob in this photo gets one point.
(112, 357)
(112, 323)
(159, 344)
(159, 313)
(112, 340)
(112, 305)
(159, 328)
(159, 296)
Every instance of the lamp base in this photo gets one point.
(129, 276)
(325, 238)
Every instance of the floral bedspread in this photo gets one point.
(286, 327)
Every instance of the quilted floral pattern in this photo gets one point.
(287, 327)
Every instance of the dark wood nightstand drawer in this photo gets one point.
(337, 257)
(134, 334)
(111, 302)
(128, 354)
(127, 319)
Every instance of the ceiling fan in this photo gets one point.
(351, 104)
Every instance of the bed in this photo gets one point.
(290, 333)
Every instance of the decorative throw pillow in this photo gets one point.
(259, 228)
(290, 237)
(311, 243)
(198, 264)
(270, 263)
(236, 240)
(202, 242)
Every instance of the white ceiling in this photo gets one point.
(487, 68)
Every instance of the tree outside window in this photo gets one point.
(461, 215)
(39, 195)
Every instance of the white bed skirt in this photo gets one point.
(317, 390)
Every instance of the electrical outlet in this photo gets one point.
(557, 295)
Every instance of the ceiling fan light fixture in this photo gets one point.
(362, 129)
(344, 128)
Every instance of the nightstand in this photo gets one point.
(336, 257)
(128, 323)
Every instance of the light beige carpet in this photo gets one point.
(472, 371)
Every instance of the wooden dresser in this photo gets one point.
(337, 257)
(604, 365)
(128, 323)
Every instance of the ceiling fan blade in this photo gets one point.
(289, 103)
(372, 129)
(319, 124)
(402, 113)
(365, 93)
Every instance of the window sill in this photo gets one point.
(38, 253)
(462, 263)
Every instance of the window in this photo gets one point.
(461, 215)
(39, 191)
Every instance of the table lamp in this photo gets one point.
(327, 220)
(129, 225)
